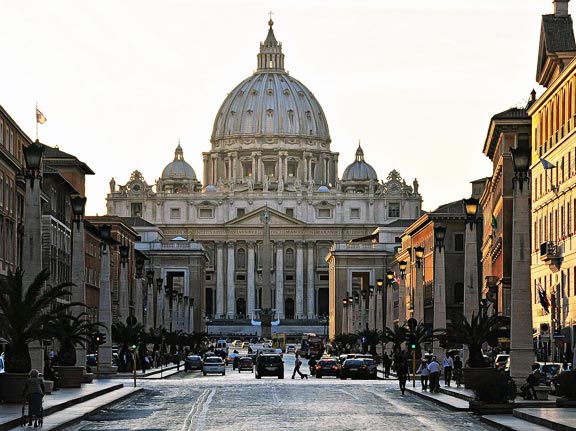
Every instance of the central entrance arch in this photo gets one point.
(289, 308)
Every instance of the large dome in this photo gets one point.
(359, 170)
(178, 169)
(270, 102)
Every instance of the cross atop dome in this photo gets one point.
(270, 58)
(359, 153)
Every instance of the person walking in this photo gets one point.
(423, 371)
(434, 375)
(33, 393)
(448, 365)
(458, 371)
(312, 365)
(387, 362)
(297, 365)
(402, 373)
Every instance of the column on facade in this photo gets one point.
(345, 319)
(521, 349)
(138, 304)
(439, 297)
(205, 170)
(151, 306)
(191, 322)
(305, 166)
(285, 172)
(371, 312)
(186, 316)
(280, 166)
(123, 311)
(234, 157)
(402, 301)
(261, 172)
(231, 294)
(363, 316)
(471, 294)
(219, 279)
(250, 279)
(310, 288)
(279, 279)
(299, 279)
(389, 305)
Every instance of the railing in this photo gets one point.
(549, 250)
(183, 245)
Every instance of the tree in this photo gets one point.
(396, 336)
(371, 338)
(474, 333)
(126, 336)
(26, 314)
(71, 331)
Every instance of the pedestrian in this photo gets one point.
(448, 364)
(457, 370)
(33, 393)
(434, 376)
(177, 360)
(387, 362)
(402, 373)
(423, 371)
(297, 365)
(312, 365)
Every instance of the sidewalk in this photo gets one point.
(66, 406)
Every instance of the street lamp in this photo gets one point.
(344, 302)
(521, 161)
(419, 253)
(356, 297)
(371, 289)
(150, 277)
(379, 284)
(389, 278)
(402, 265)
(439, 235)
(78, 204)
(471, 207)
(105, 236)
(124, 250)
(33, 155)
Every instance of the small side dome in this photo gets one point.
(210, 188)
(359, 170)
(178, 169)
(323, 189)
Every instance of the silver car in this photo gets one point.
(214, 365)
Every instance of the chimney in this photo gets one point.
(560, 7)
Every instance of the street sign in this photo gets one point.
(131, 320)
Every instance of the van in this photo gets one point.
(221, 344)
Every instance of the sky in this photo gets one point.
(416, 82)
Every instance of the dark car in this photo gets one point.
(327, 367)
(193, 362)
(245, 364)
(269, 365)
(356, 369)
(372, 368)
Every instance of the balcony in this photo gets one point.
(549, 251)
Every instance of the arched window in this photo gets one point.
(289, 258)
(241, 258)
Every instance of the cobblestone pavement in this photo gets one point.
(236, 401)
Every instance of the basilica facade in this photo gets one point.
(270, 149)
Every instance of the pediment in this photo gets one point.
(254, 219)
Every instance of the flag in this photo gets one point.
(544, 301)
(494, 223)
(396, 278)
(546, 164)
(40, 118)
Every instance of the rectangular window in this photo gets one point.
(354, 212)
(208, 277)
(240, 277)
(458, 242)
(206, 213)
(290, 212)
(240, 212)
(174, 213)
(289, 278)
(324, 213)
(136, 209)
(394, 209)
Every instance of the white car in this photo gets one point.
(214, 365)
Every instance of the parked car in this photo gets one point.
(245, 344)
(193, 362)
(358, 369)
(290, 348)
(269, 365)
(214, 365)
(236, 343)
(245, 364)
(549, 370)
(327, 367)
(500, 362)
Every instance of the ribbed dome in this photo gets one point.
(270, 102)
(178, 169)
(359, 170)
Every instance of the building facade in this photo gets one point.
(270, 147)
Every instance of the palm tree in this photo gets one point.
(125, 335)
(345, 341)
(422, 335)
(396, 336)
(26, 313)
(474, 333)
(71, 331)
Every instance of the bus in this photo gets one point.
(279, 341)
(311, 345)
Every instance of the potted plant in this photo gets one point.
(474, 333)
(26, 313)
(71, 331)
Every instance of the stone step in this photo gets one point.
(512, 423)
(558, 419)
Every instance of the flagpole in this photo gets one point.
(36, 116)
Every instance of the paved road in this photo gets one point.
(191, 402)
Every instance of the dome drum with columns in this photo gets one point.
(270, 148)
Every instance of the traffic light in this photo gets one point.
(99, 338)
(412, 341)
